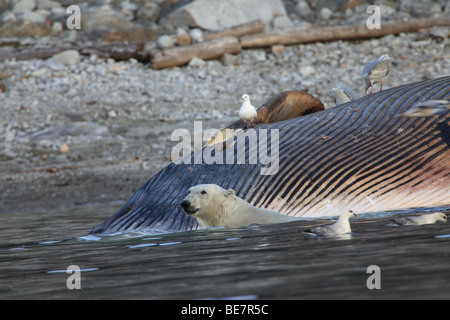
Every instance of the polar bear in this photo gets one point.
(214, 206)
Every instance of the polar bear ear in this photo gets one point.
(229, 192)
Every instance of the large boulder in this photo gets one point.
(216, 15)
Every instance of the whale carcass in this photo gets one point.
(360, 155)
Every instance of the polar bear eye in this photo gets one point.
(203, 192)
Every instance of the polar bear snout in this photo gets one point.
(185, 204)
(188, 207)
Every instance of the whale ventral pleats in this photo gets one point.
(371, 160)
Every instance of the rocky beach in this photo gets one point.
(78, 128)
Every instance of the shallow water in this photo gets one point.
(254, 262)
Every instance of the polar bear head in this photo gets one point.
(205, 202)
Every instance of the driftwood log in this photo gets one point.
(333, 33)
(212, 49)
(183, 39)
(26, 53)
(120, 50)
(117, 51)
(241, 30)
(205, 50)
(230, 40)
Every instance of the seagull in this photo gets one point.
(422, 219)
(247, 112)
(375, 71)
(342, 226)
(428, 108)
(343, 93)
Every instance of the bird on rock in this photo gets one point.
(375, 71)
(342, 226)
(428, 108)
(247, 112)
